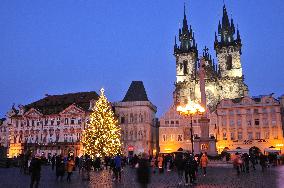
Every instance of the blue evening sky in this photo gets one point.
(56, 47)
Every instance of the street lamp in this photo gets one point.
(190, 109)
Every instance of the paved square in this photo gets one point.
(216, 178)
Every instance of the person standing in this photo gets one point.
(70, 166)
(60, 167)
(117, 164)
(204, 163)
(52, 162)
(153, 161)
(262, 162)
(180, 167)
(237, 163)
(160, 164)
(143, 171)
(35, 169)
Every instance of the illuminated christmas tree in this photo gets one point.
(102, 135)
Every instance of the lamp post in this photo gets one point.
(190, 109)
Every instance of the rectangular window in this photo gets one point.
(250, 136)
(264, 110)
(58, 121)
(255, 111)
(45, 121)
(33, 123)
(239, 122)
(179, 138)
(80, 121)
(264, 122)
(232, 122)
(166, 122)
(66, 121)
(256, 122)
(231, 112)
(17, 123)
(240, 135)
(249, 123)
(172, 122)
(51, 121)
(72, 121)
(122, 120)
(177, 122)
(257, 135)
(232, 136)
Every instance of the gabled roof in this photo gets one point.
(53, 104)
(136, 92)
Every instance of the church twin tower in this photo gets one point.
(222, 81)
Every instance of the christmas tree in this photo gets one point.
(102, 135)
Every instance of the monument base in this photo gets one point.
(207, 145)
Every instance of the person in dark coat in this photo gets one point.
(35, 168)
(262, 162)
(60, 167)
(52, 162)
(246, 162)
(143, 171)
(180, 167)
(190, 168)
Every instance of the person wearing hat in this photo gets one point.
(35, 169)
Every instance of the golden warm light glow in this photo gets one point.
(102, 136)
(190, 108)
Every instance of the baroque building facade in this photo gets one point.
(249, 121)
(136, 116)
(222, 80)
(52, 125)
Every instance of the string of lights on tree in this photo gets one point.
(102, 135)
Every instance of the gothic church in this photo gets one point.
(222, 80)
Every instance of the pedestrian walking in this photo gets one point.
(143, 171)
(69, 168)
(204, 163)
(237, 163)
(35, 169)
(117, 164)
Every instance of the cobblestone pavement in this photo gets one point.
(216, 177)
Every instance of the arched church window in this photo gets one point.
(185, 67)
(229, 62)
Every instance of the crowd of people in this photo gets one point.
(185, 164)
